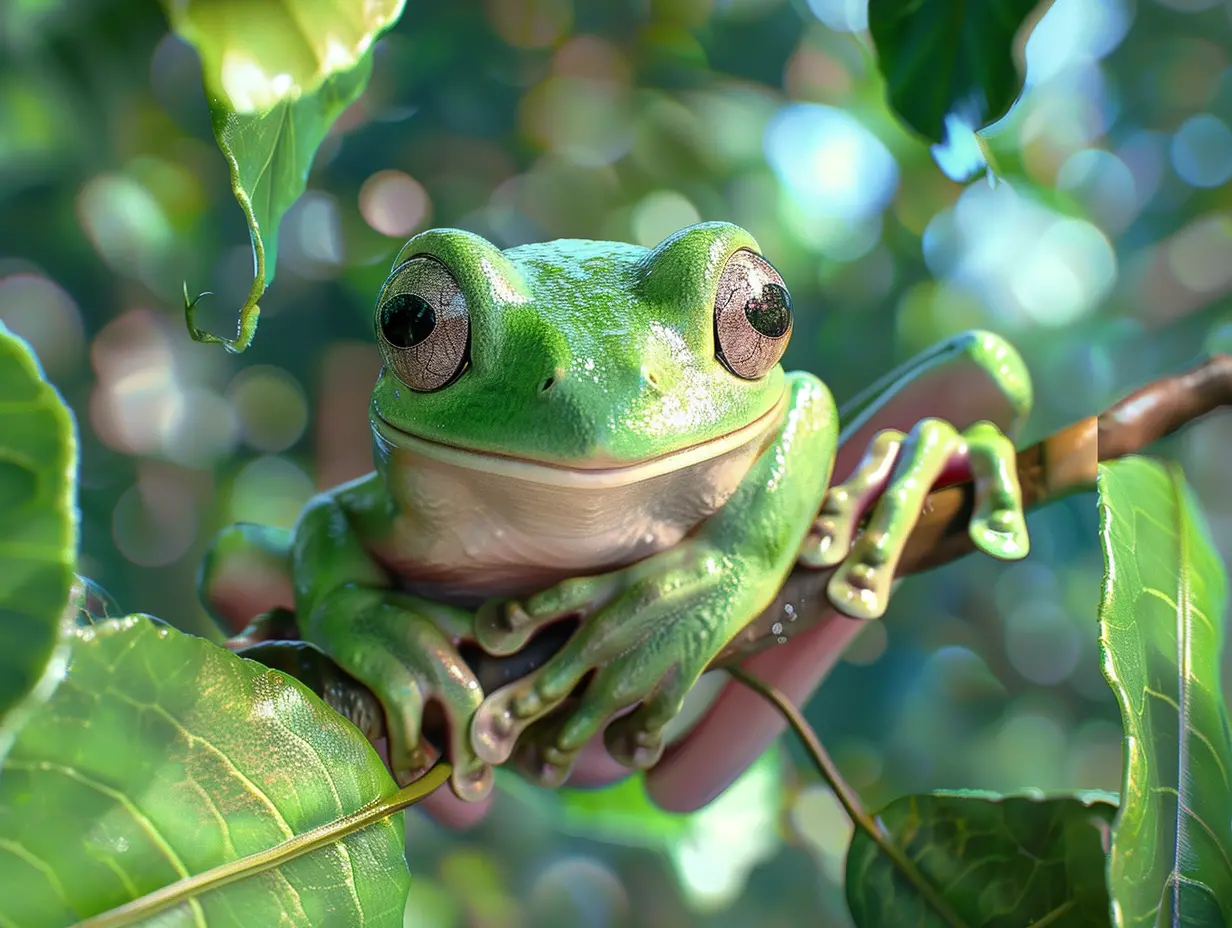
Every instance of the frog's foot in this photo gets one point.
(408, 660)
(505, 626)
(894, 480)
(546, 752)
(647, 635)
(829, 540)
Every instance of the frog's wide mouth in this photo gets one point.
(581, 476)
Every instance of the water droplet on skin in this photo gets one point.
(777, 628)
(790, 611)
(782, 639)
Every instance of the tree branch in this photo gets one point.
(1060, 465)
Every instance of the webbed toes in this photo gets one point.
(998, 526)
(633, 745)
(503, 716)
(541, 760)
(831, 537)
(503, 627)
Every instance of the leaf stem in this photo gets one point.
(847, 796)
(180, 891)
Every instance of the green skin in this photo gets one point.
(600, 460)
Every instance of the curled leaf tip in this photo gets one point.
(245, 330)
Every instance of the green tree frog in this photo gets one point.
(603, 432)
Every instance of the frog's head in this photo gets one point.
(577, 354)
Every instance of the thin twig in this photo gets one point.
(847, 796)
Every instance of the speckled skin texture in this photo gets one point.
(597, 459)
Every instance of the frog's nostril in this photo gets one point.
(555, 376)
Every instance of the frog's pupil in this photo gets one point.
(770, 313)
(407, 319)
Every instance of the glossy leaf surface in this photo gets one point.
(1162, 629)
(941, 57)
(278, 74)
(995, 860)
(38, 531)
(161, 756)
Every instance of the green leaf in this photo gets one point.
(996, 860)
(1162, 614)
(943, 57)
(38, 532)
(161, 756)
(278, 74)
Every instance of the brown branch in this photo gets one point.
(1060, 465)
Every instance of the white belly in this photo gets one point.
(473, 526)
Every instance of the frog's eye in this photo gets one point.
(423, 326)
(752, 316)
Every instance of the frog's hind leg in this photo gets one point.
(246, 572)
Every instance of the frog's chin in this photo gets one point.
(596, 475)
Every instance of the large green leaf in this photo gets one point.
(277, 73)
(995, 861)
(1162, 614)
(948, 56)
(161, 756)
(38, 531)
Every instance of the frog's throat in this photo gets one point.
(596, 478)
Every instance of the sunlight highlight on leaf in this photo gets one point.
(38, 532)
(161, 756)
(1162, 620)
(278, 75)
(259, 53)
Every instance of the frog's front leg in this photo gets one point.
(401, 647)
(893, 480)
(648, 631)
(898, 471)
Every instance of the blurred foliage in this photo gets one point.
(1104, 261)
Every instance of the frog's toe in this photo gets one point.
(860, 588)
(998, 525)
(548, 751)
(505, 626)
(844, 505)
(504, 715)
(541, 761)
(425, 669)
(637, 739)
(410, 755)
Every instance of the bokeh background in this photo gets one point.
(1106, 258)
